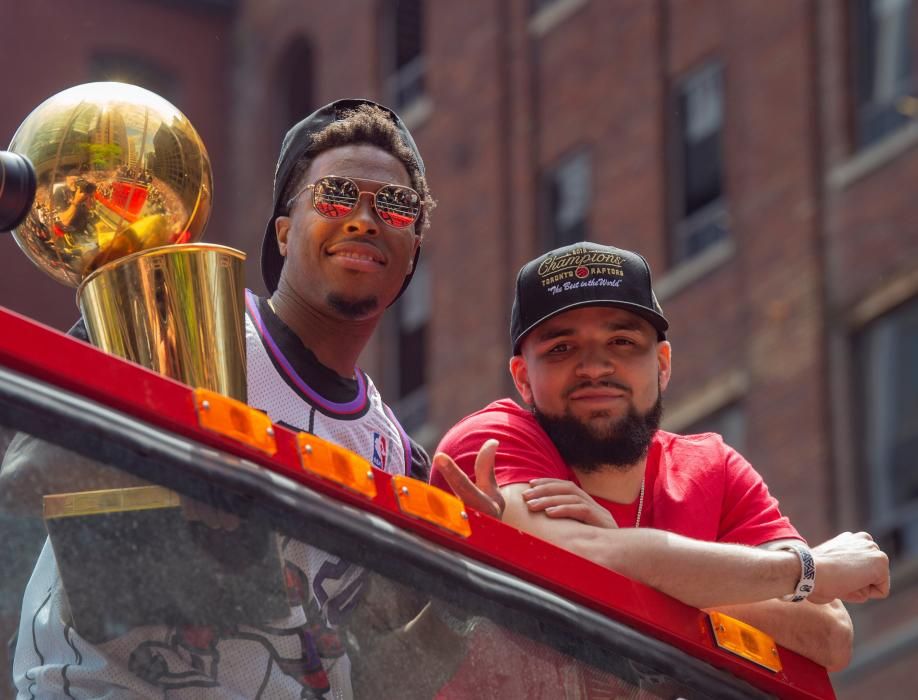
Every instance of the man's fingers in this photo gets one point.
(464, 489)
(537, 504)
(461, 485)
(553, 487)
(485, 477)
(575, 511)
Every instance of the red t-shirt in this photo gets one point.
(695, 485)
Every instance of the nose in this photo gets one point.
(594, 363)
(363, 219)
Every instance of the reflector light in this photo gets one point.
(235, 420)
(745, 640)
(335, 463)
(431, 504)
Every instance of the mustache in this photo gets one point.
(598, 384)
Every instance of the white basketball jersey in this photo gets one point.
(297, 657)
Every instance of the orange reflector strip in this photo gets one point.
(235, 420)
(431, 504)
(745, 641)
(335, 463)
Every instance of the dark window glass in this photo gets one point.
(884, 72)
(536, 6)
(136, 70)
(568, 194)
(729, 422)
(886, 353)
(700, 211)
(296, 83)
(403, 23)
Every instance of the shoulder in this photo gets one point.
(503, 420)
(698, 451)
(700, 461)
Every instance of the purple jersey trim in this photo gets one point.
(357, 405)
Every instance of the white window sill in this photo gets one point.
(551, 16)
(873, 157)
(894, 291)
(416, 112)
(694, 269)
(715, 395)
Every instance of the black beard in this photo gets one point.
(351, 308)
(620, 445)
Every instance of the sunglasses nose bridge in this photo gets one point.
(364, 214)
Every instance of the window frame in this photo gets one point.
(715, 213)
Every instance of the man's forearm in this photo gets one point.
(702, 574)
(822, 633)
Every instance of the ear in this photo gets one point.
(282, 230)
(664, 362)
(520, 373)
(414, 252)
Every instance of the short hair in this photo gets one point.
(366, 124)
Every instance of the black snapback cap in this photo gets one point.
(297, 142)
(583, 274)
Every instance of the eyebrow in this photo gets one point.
(552, 333)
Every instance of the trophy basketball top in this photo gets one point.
(119, 170)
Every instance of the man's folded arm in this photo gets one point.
(709, 574)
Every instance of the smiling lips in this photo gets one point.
(598, 392)
(359, 256)
(596, 395)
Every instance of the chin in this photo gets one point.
(354, 308)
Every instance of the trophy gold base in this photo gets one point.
(178, 310)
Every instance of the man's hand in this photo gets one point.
(558, 498)
(850, 567)
(483, 495)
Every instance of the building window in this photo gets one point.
(883, 36)
(126, 68)
(295, 80)
(887, 370)
(700, 216)
(403, 44)
(413, 321)
(729, 422)
(568, 193)
(536, 6)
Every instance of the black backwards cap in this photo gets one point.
(297, 141)
(583, 274)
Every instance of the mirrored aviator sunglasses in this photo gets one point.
(334, 196)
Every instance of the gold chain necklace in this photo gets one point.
(637, 520)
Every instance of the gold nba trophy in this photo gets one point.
(123, 190)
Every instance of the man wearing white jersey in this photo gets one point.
(350, 206)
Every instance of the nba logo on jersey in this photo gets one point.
(379, 451)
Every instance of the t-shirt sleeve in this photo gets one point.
(524, 451)
(750, 514)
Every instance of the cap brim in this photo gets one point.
(660, 324)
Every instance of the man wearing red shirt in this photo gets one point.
(587, 468)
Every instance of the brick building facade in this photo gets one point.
(758, 154)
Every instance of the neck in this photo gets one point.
(614, 483)
(336, 342)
